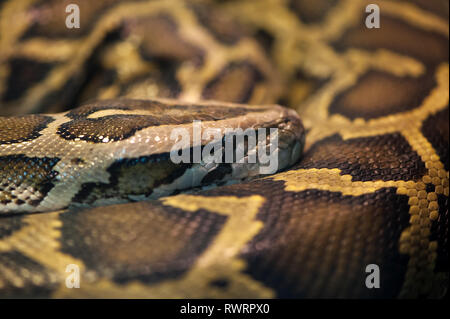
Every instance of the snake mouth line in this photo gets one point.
(158, 175)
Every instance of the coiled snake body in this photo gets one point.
(87, 114)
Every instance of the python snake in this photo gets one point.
(85, 178)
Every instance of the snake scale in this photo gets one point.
(85, 179)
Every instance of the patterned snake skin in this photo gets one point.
(371, 187)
